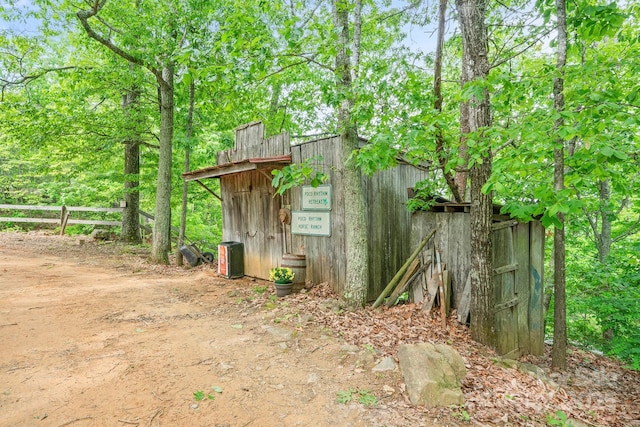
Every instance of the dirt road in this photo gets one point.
(92, 335)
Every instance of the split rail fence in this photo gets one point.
(63, 218)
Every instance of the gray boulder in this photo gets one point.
(432, 373)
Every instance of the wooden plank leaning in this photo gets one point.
(392, 284)
(408, 280)
(443, 304)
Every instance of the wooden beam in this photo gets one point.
(505, 268)
(42, 220)
(503, 224)
(507, 304)
(59, 208)
(208, 189)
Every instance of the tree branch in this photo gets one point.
(526, 47)
(85, 15)
(26, 79)
(633, 228)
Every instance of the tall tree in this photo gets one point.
(456, 186)
(357, 280)
(185, 184)
(163, 71)
(472, 15)
(559, 353)
(131, 215)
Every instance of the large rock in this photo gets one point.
(432, 373)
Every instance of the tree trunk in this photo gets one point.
(162, 224)
(164, 77)
(130, 214)
(185, 184)
(356, 238)
(462, 175)
(474, 39)
(603, 240)
(559, 351)
(437, 92)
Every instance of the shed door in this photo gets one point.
(250, 216)
(506, 300)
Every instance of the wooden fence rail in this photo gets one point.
(63, 219)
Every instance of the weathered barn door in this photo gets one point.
(250, 216)
(505, 267)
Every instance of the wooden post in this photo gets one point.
(64, 218)
(443, 305)
(536, 288)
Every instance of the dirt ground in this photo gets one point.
(91, 334)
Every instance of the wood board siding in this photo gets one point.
(250, 216)
(389, 223)
(536, 288)
(246, 211)
(506, 303)
(325, 255)
(388, 220)
(452, 238)
(518, 251)
(250, 143)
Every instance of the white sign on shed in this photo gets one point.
(311, 223)
(316, 198)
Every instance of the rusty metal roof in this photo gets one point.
(237, 167)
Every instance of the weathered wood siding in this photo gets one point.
(325, 255)
(250, 212)
(518, 291)
(452, 239)
(536, 288)
(250, 216)
(249, 208)
(389, 221)
(250, 144)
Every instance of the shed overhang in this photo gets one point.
(217, 171)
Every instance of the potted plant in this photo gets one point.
(283, 279)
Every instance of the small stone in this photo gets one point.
(349, 348)
(225, 366)
(281, 333)
(194, 406)
(386, 364)
(388, 390)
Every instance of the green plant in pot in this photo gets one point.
(283, 279)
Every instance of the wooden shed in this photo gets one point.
(518, 261)
(306, 221)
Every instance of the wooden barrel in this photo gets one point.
(297, 264)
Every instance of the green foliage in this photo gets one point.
(424, 197)
(364, 397)
(200, 395)
(345, 396)
(295, 175)
(460, 413)
(281, 275)
(559, 419)
(603, 309)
